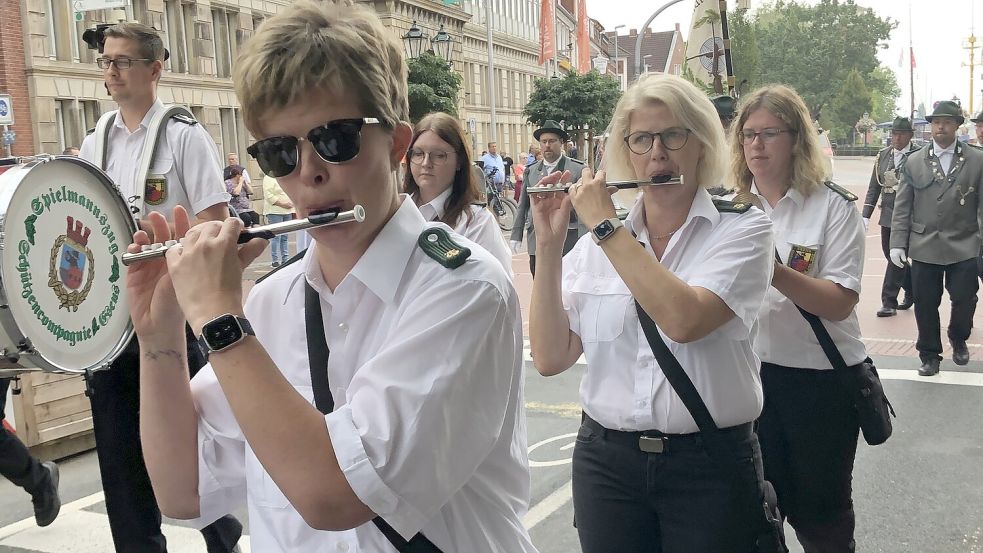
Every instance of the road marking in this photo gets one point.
(549, 505)
(944, 377)
(561, 409)
(554, 463)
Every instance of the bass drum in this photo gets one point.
(64, 229)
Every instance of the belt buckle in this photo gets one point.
(652, 444)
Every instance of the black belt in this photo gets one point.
(653, 441)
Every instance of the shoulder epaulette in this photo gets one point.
(90, 131)
(847, 195)
(437, 244)
(977, 146)
(290, 261)
(575, 160)
(727, 206)
(184, 119)
(720, 191)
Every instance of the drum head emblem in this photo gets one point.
(155, 191)
(72, 266)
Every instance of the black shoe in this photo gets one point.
(886, 312)
(222, 535)
(930, 367)
(907, 302)
(276, 263)
(46, 502)
(960, 353)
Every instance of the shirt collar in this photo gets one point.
(939, 150)
(554, 164)
(154, 108)
(792, 194)
(382, 266)
(701, 208)
(434, 210)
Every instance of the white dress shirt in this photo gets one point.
(898, 155)
(729, 254)
(186, 158)
(429, 423)
(482, 228)
(827, 223)
(945, 155)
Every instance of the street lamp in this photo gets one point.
(617, 55)
(645, 62)
(413, 41)
(443, 44)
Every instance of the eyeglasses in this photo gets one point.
(437, 157)
(642, 142)
(121, 63)
(767, 135)
(334, 142)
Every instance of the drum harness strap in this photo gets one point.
(155, 131)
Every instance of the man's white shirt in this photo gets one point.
(429, 426)
(482, 228)
(186, 157)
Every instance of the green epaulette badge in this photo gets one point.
(727, 206)
(847, 195)
(437, 243)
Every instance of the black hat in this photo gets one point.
(553, 127)
(947, 108)
(978, 118)
(725, 106)
(902, 124)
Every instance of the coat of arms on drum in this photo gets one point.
(70, 273)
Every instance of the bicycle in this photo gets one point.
(504, 209)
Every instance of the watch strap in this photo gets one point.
(613, 221)
(244, 325)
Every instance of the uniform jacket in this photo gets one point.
(882, 166)
(531, 177)
(929, 221)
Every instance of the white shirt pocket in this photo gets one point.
(804, 250)
(604, 304)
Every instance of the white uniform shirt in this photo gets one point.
(481, 229)
(829, 224)
(898, 155)
(623, 388)
(186, 158)
(945, 155)
(429, 423)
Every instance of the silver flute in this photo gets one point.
(620, 185)
(334, 217)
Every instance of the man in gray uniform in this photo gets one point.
(884, 180)
(936, 224)
(551, 139)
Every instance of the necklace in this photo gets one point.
(663, 236)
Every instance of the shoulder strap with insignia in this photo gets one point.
(290, 261)
(846, 194)
(90, 131)
(436, 242)
(183, 118)
(727, 206)
(720, 190)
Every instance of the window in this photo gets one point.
(223, 51)
(68, 130)
(59, 28)
(189, 19)
(88, 115)
(230, 142)
(140, 11)
(232, 28)
(175, 36)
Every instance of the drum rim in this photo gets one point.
(7, 320)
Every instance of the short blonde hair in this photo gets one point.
(688, 104)
(808, 166)
(337, 45)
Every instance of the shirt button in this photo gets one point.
(343, 327)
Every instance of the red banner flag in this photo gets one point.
(547, 36)
(583, 38)
(912, 55)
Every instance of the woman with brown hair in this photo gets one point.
(442, 184)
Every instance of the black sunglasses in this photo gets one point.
(336, 141)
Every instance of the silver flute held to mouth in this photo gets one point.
(620, 185)
(333, 217)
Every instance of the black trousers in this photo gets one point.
(808, 431)
(677, 501)
(960, 280)
(571, 240)
(16, 463)
(134, 517)
(895, 278)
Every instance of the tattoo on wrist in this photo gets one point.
(162, 354)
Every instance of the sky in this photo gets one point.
(942, 29)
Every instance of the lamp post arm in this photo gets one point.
(638, 40)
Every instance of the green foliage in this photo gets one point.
(433, 86)
(744, 51)
(583, 102)
(851, 102)
(883, 86)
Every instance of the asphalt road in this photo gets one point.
(920, 492)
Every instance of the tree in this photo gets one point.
(850, 103)
(744, 52)
(584, 102)
(883, 86)
(433, 86)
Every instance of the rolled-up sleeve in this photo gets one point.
(221, 451)
(201, 171)
(844, 258)
(424, 413)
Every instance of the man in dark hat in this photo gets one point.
(551, 139)
(884, 183)
(935, 224)
(979, 129)
(725, 109)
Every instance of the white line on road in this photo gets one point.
(944, 377)
(549, 505)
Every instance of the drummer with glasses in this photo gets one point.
(187, 172)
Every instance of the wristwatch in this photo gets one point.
(223, 332)
(605, 229)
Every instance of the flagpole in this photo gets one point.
(911, 64)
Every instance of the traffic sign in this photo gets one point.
(89, 5)
(6, 110)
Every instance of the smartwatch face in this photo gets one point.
(603, 230)
(222, 333)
